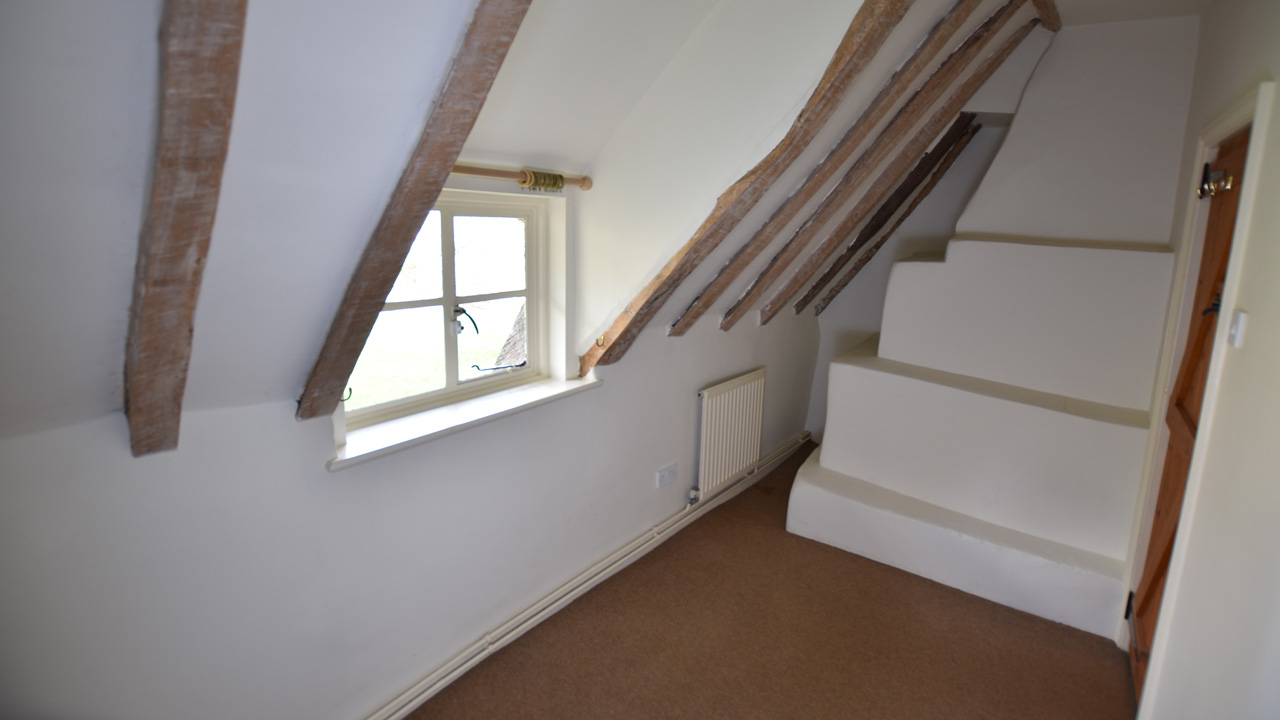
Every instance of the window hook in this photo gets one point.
(459, 310)
(347, 397)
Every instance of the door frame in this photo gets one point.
(1253, 109)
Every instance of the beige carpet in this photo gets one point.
(735, 618)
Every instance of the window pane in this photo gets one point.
(420, 278)
(500, 342)
(488, 254)
(403, 357)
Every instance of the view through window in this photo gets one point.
(457, 321)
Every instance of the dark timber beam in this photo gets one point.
(867, 33)
(904, 78)
(918, 175)
(893, 173)
(856, 177)
(1048, 12)
(199, 65)
(934, 178)
(449, 123)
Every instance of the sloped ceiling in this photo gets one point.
(332, 95)
(575, 71)
(77, 99)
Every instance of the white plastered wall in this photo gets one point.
(1087, 156)
(235, 577)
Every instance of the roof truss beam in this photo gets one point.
(919, 174)
(200, 45)
(887, 180)
(871, 26)
(938, 173)
(1048, 12)
(881, 149)
(484, 46)
(879, 107)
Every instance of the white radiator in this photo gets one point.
(729, 444)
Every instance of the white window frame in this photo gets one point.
(534, 211)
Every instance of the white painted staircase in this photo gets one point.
(992, 437)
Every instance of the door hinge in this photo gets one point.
(1128, 606)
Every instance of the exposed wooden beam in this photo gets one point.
(856, 177)
(1048, 12)
(941, 170)
(885, 213)
(904, 78)
(866, 34)
(892, 174)
(199, 66)
(449, 123)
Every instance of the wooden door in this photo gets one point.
(1183, 417)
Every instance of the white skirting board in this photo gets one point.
(421, 691)
(1045, 578)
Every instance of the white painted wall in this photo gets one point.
(1002, 92)
(1088, 154)
(234, 577)
(1217, 648)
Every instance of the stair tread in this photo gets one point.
(866, 355)
(882, 498)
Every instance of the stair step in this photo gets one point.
(1050, 466)
(867, 354)
(1070, 319)
(1049, 579)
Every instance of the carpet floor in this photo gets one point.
(735, 618)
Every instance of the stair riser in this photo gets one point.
(1083, 322)
(1058, 476)
(1090, 601)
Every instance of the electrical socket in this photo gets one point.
(667, 475)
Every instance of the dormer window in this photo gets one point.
(465, 316)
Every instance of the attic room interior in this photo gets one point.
(1009, 263)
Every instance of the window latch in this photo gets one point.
(500, 367)
(459, 311)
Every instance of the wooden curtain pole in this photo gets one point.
(526, 178)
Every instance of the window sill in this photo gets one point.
(391, 436)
